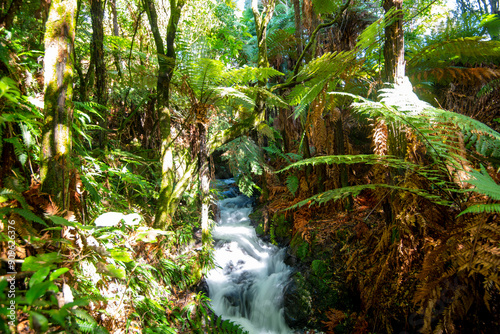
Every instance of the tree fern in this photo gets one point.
(333, 67)
(439, 129)
(483, 184)
(245, 159)
(458, 60)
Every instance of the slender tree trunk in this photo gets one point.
(261, 21)
(204, 175)
(8, 13)
(298, 26)
(394, 74)
(166, 64)
(116, 33)
(58, 108)
(97, 14)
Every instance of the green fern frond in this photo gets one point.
(26, 214)
(482, 208)
(244, 159)
(456, 59)
(438, 129)
(342, 193)
(19, 149)
(484, 184)
(9, 193)
(248, 74)
(469, 50)
(271, 99)
(280, 41)
(292, 183)
(90, 107)
(349, 159)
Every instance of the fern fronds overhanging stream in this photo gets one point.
(440, 132)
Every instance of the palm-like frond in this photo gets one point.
(456, 60)
(334, 67)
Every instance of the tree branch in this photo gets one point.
(313, 37)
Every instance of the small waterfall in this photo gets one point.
(248, 288)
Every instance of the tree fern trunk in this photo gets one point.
(204, 174)
(58, 107)
(394, 73)
(394, 45)
(340, 150)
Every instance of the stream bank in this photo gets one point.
(317, 296)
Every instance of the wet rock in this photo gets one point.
(297, 302)
(202, 287)
(233, 298)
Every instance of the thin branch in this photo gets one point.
(313, 37)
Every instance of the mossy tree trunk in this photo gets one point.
(97, 15)
(58, 107)
(166, 65)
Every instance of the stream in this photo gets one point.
(247, 288)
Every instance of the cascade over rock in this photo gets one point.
(248, 286)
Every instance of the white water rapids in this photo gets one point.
(248, 287)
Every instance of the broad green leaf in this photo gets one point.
(38, 290)
(112, 270)
(39, 322)
(120, 255)
(39, 276)
(35, 263)
(56, 273)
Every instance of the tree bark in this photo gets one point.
(261, 21)
(116, 33)
(204, 175)
(97, 14)
(394, 51)
(166, 65)
(394, 56)
(58, 108)
(298, 26)
(9, 13)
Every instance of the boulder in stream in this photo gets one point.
(297, 302)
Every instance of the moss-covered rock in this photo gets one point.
(298, 302)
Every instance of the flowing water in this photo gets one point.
(248, 286)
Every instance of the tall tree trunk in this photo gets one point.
(298, 26)
(166, 65)
(394, 51)
(394, 74)
(58, 107)
(204, 175)
(97, 14)
(116, 33)
(261, 21)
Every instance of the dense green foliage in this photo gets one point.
(387, 193)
